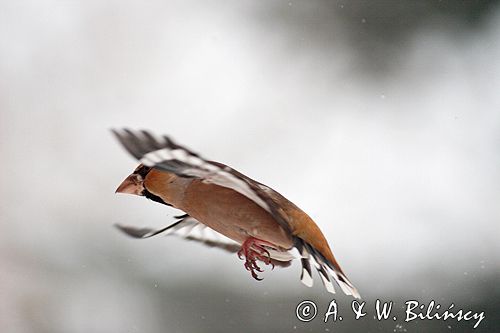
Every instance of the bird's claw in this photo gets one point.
(252, 250)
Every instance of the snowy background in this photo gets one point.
(380, 119)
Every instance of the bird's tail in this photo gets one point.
(327, 270)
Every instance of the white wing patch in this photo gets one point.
(224, 178)
(164, 153)
(188, 228)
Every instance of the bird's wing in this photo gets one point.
(189, 228)
(164, 154)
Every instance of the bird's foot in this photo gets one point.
(254, 249)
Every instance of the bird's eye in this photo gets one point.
(138, 178)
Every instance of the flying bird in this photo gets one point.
(245, 216)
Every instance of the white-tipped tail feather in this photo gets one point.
(326, 270)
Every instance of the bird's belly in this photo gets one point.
(232, 214)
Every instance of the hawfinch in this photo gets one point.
(250, 218)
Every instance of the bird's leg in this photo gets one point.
(253, 249)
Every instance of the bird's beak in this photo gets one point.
(133, 184)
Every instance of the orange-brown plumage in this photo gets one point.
(265, 224)
(220, 208)
(303, 226)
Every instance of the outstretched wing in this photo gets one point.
(189, 228)
(164, 154)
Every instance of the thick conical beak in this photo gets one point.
(131, 185)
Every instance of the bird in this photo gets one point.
(242, 215)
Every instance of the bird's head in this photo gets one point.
(134, 183)
(147, 182)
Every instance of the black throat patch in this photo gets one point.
(153, 197)
(142, 171)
